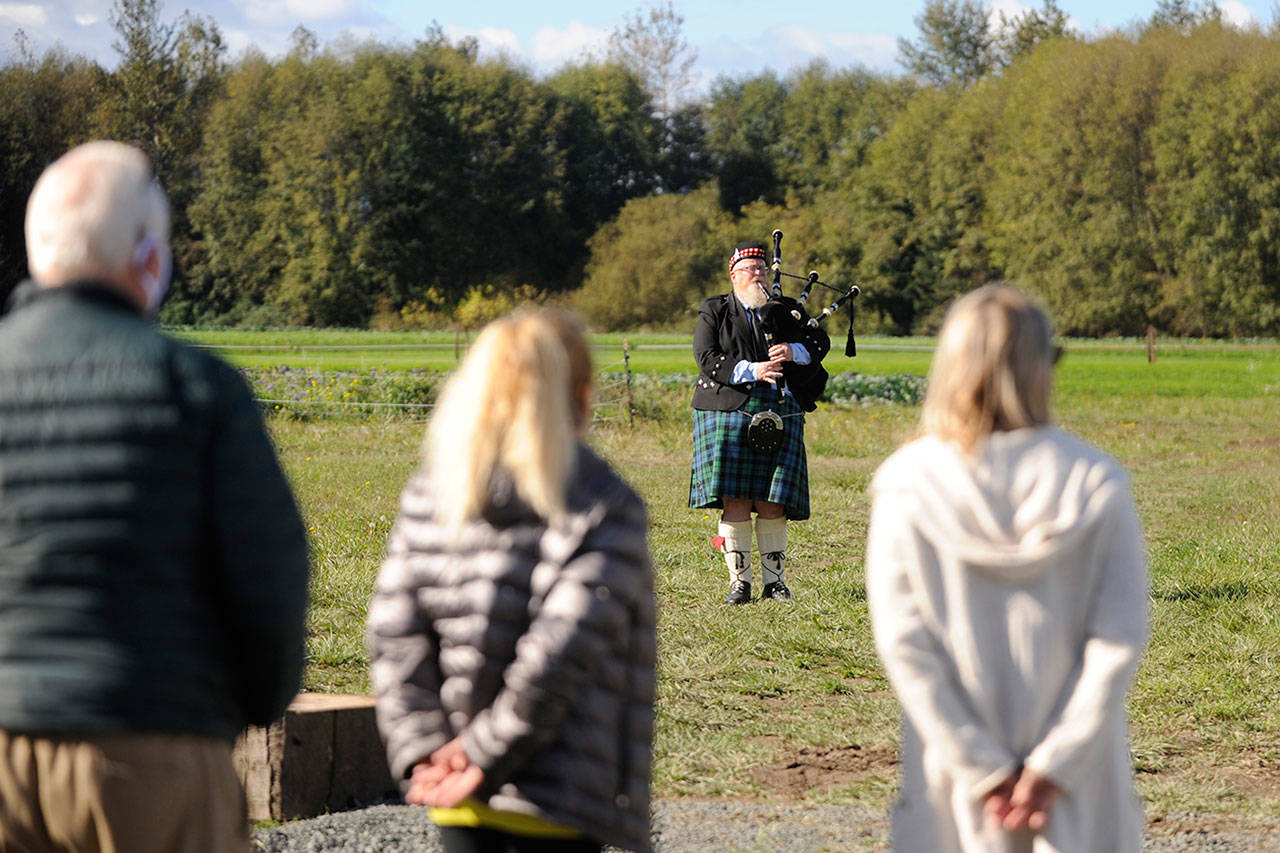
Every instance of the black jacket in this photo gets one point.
(724, 336)
(153, 564)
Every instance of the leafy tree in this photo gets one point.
(1068, 202)
(921, 206)
(955, 44)
(293, 210)
(609, 138)
(652, 46)
(491, 172)
(1217, 193)
(1184, 15)
(44, 109)
(158, 99)
(684, 161)
(379, 176)
(656, 261)
(1021, 34)
(829, 120)
(239, 261)
(743, 123)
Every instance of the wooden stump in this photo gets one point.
(323, 755)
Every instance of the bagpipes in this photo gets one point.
(782, 324)
(786, 325)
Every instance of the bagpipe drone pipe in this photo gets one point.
(784, 320)
(783, 323)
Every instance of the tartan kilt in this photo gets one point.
(725, 467)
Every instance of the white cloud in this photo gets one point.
(552, 46)
(548, 48)
(86, 20)
(23, 15)
(490, 39)
(798, 39)
(290, 13)
(264, 12)
(271, 43)
(875, 51)
(319, 10)
(1237, 14)
(791, 46)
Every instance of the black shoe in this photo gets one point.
(777, 590)
(739, 593)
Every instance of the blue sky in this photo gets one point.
(734, 38)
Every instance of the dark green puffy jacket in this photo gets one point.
(153, 565)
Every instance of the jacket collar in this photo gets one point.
(86, 290)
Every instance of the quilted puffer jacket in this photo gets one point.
(536, 644)
(153, 564)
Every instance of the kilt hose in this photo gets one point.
(725, 467)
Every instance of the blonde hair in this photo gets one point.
(993, 368)
(90, 211)
(517, 404)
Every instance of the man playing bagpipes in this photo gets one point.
(760, 370)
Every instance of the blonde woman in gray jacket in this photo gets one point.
(512, 629)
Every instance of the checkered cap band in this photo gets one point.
(743, 254)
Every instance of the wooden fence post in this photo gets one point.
(626, 367)
(1151, 344)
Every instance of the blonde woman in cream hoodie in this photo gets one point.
(1007, 584)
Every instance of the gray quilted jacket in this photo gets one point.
(536, 644)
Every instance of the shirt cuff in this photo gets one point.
(742, 372)
(799, 354)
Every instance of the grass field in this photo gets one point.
(330, 349)
(788, 701)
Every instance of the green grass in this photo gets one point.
(1111, 367)
(753, 687)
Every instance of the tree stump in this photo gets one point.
(323, 755)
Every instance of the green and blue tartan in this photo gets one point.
(725, 467)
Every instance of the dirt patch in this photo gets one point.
(1270, 442)
(1210, 825)
(1257, 776)
(817, 768)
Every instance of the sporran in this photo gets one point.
(764, 433)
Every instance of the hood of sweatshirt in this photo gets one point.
(1009, 510)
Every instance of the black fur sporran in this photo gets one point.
(764, 433)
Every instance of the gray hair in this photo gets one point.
(90, 211)
(993, 368)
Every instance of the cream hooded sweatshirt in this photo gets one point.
(1008, 597)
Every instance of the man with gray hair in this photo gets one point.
(153, 564)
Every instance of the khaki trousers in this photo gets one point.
(119, 793)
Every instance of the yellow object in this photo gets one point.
(471, 812)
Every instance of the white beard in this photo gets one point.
(751, 296)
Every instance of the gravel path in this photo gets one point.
(701, 825)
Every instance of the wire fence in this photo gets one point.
(611, 394)
(412, 393)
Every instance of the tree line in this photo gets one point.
(1128, 179)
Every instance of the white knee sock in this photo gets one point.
(771, 538)
(737, 549)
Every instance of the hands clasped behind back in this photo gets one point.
(1021, 801)
(445, 779)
